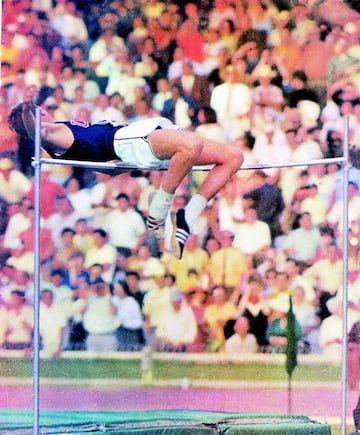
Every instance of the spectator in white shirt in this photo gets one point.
(179, 328)
(241, 341)
(53, 320)
(129, 334)
(125, 226)
(100, 320)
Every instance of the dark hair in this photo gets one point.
(178, 87)
(231, 24)
(271, 270)
(58, 272)
(149, 38)
(81, 220)
(209, 115)
(15, 121)
(132, 273)
(67, 65)
(20, 293)
(126, 288)
(102, 233)
(80, 70)
(192, 271)
(68, 230)
(98, 280)
(171, 276)
(124, 196)
(100, 284)
(97, 265)
(301, 75)
(255, 277)
(78, 46)
(282, 272)
(290, 25)
(352, 183)
(293, 260)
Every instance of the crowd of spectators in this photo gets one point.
(277, 79)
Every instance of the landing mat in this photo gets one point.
(159, 422)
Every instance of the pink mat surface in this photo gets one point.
(324, 403)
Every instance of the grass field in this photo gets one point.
(205, 367)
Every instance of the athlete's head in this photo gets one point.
(15, 121)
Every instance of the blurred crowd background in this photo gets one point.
(277, 79)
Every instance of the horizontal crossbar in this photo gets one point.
(118, 166)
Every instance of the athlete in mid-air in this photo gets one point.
(144, 144)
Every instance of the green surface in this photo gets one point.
(161, 422)
(166, 370)
(243, 371)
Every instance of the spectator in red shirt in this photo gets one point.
(191, 41)
(50, 190)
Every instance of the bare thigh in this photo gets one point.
(217, 153)
(165, 143)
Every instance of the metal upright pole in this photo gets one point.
(345, 170)
(36, 357)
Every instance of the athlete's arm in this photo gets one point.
(28, 118)
(56, 137)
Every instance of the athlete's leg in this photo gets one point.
(227, 161)
(182, 149)
(186, 149)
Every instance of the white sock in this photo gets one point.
(160, 204)
(194, 209)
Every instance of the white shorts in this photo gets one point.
(132, 147)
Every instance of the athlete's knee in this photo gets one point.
(193, 147)
(236, 158)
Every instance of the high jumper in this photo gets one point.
(148, 144)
